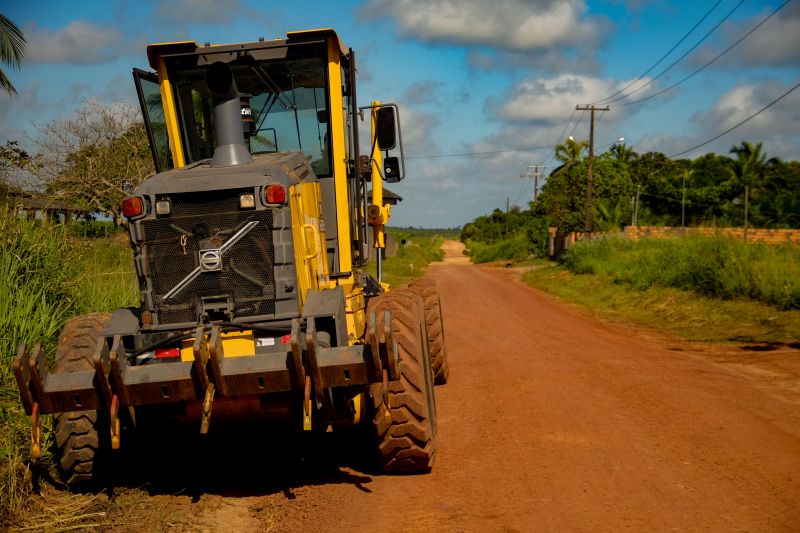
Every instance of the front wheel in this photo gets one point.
(82, 437)
(406, 429)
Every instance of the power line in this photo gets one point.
(689, 51)
(646, 72)
(502, 151)
(580, 119)
(742, 38)
(561, 135)
(778, 99)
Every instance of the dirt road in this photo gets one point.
(551, 422)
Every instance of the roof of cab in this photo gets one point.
(157, 49)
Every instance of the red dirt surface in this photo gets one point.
(552, 421)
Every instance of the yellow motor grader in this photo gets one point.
(250, 246)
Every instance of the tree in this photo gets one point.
(96, 158)
(570, 153)
(12, 50)
(621, 152)
(14, 159)
(749, 169)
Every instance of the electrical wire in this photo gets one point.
(502, 151)
(646, 72)
(729, 48)
(681, 58)
(778, 99)
(560, 136)
(580, 119)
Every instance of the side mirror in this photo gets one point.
(322, 116)
(385, 128)
(391, 170)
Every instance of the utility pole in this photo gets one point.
(507, 205)
(589, 183)
(535, 172)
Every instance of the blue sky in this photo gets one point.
(469, 75)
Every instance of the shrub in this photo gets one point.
(718, 266)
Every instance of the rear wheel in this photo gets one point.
(82, 437)
(434, 322)
(406, 430)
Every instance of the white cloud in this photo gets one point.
(745, 99)
(776, 43)
(776, 127)
(509, 25)
(553, 99)
(77, 43)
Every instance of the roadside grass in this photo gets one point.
(524, 244)
(515, 248)
(46, 277)
(421, 248)
(718, 267)
(680, 312)
(107, 281)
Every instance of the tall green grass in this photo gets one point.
(37, 294)
(46, 277)
(515, 248)
(719, 267)
(38, 268)
(107, 280)
(411, 259)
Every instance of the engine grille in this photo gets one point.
(202, 221)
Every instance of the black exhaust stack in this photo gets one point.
(230, 148)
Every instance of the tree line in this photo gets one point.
(743, 188)
(90, 161)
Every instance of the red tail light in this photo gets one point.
(275, 194)
(132, 207)
(167, 353)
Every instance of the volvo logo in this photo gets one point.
(210, 260)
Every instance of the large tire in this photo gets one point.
(406, 435)
(437, 348)
(82, 437)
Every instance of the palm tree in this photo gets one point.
(570, 153)
(749, 169)
(622, 152)
(12, 48)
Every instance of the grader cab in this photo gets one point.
(249, 246)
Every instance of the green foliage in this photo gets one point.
(12, 50)
(37, 294)
(96, 158)
(12, 160)
(706, 191)
(37, 289)
(679, 312)
(416, 250)
(517, 234)
(719, 267)
(107, 280)
(528, 239)
(94, 229)
(46, 277)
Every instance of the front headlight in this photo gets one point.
(247, 201)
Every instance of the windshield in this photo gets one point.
(284, 108)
